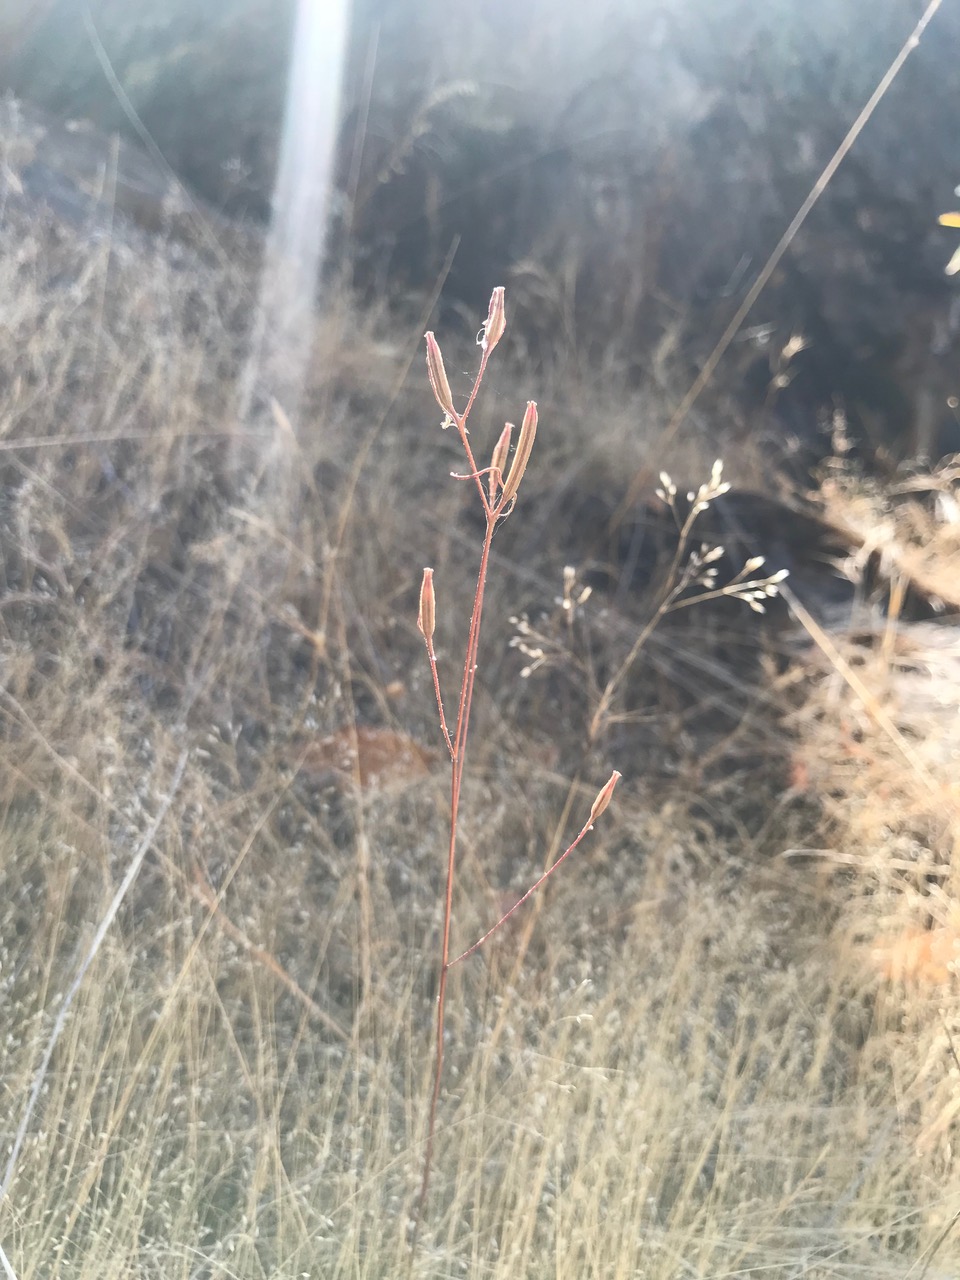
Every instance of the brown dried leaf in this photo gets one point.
(921, 957)
(374, 757)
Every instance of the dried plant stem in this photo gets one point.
(598, 721)
(671, 589)
(497, 498)
(694, 570)
(432, 659)
(588, 826)
(457, 747)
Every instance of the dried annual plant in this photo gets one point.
(497, 486)
(692, 578)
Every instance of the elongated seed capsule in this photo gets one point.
(427, 617)
(499, 460)
(528, 432)
(604, 797)
(438, 376)
(495, 322)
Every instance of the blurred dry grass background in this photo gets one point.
(624, 169)
(694, 1056)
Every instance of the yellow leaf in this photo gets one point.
(949, 219)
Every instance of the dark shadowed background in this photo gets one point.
(623, 167)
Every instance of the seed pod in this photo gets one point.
(604, 797)
(528, 431)
(498, 461)
(495, 322)
(427, 617)
(438, 376)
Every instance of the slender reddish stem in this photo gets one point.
(485, 356)
(494, 509)
(520, 901)
(460, 421)
(432, 658)
(473, 646)
(457, 753)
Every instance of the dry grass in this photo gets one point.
(678, 1063)
(879, 742)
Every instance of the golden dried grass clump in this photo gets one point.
(881, 733)
(878, 745)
